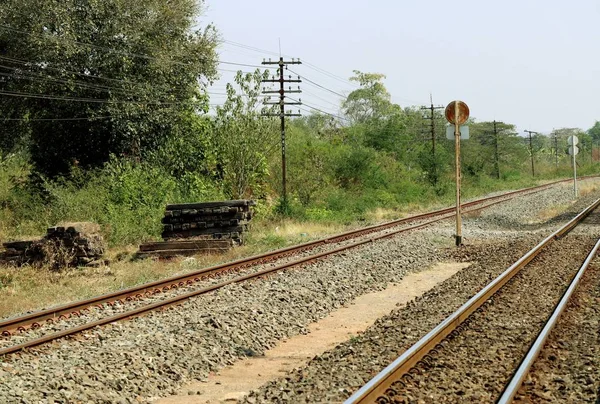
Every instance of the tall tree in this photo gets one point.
(243, 138)
(493, 145)
(371, 100)
(594, 131)
(127, 70)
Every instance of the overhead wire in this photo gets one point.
(316, 84)
(303, 103)
(304, 62)
(54, 119)
(138, 55)
(76, 99)
(319, 110)
(321, 98)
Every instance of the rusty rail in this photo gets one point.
(182, 297)
(381, 383)
(50, 315)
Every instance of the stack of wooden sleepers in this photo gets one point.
(201, 228)
(75, 244)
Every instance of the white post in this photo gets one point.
(574, 171)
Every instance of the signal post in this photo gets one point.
(457, 113)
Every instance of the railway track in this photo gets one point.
(171, 291)
(483, 351)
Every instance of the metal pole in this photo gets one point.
(496, 156)
(574, 171)
(531, 151)
(556, 148)
(457, 162)
(433, 143)
(282, 111)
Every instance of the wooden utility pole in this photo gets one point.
(531, 151)
(556, 148)
(496, 153)
(432, 109)
(282, 113)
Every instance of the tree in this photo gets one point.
(594, 131)
(493, 150)
(371, 100)
(243, 138)
(127, 70)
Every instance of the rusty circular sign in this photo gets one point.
(463, 112)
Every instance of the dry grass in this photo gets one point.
(587, 187)
(28, 288)
(584, 188)
(548, 213)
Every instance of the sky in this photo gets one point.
(532, 63)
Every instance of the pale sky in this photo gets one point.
(533, 63)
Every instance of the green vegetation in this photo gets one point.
(151, 141)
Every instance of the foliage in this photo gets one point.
(244, 139)
(371, 100)
(154, 143)
(594, 131)
(143, 59)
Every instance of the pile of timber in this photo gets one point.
(201, 228)
(75, 244)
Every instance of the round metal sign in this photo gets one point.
(573, 140)
(463, 112)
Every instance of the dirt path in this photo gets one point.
(234, 382)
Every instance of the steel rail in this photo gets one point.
(519, 376)
(379, 384)
(35, 319)
(178, 299)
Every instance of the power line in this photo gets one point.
(60, 70)
(79, 84)
(138, 55)
(259, 50)
(320, 110)
(322, 99)
(37, 76)
(317, 84)
(310, 65)
(54, 119)
(333, 76)
(315, 105)
(75, 99)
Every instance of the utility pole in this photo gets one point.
(432, 109)
(496, 154)
(282, 113)
(556, 148)
(531, 151)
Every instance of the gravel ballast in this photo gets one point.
(568, 367)
(477, 364)
(333, 376)
(153, 355)
(94, 313)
